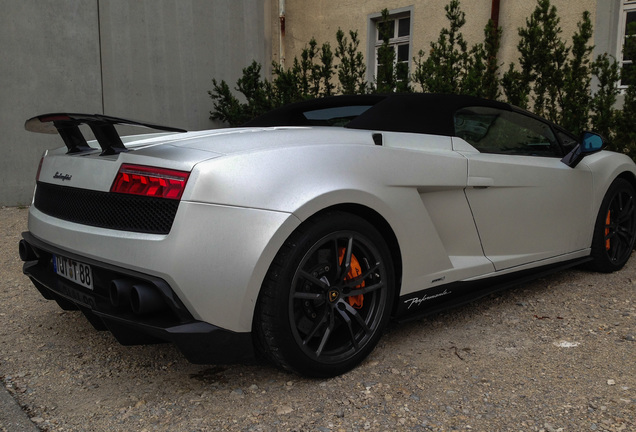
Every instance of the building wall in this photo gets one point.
(322, 18)
(50, 62)
(150, 60)
(606, 27)
(154, 59)
(177, 48)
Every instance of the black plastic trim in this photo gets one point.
(109, 210)
(377, 138)
(102, 126)
(199, 341)
(437, 299)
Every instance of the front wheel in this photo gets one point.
(615, 228)
(327, 296)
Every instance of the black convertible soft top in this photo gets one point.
(424, 113)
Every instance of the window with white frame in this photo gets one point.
(398, 28)
(628, 16)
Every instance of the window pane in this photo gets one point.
(379, 53)
(567, 142)
(403, 53)
(628, 51)
(631, 17)
(629, 47)
(402, 71)
(388, 27)
(404, 27)
(627, 74)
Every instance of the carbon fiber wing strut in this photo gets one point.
(103, 127)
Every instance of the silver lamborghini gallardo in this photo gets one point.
(300, 235)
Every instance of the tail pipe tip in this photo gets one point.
(119, 292)
(146, 299)
(27, 253)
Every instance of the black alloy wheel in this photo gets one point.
(327, 298)
(615, 229)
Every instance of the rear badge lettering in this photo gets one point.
(59, 175)
(418, 301)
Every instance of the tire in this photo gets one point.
(615, 228)
(327, 297)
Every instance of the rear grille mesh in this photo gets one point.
(106, 210)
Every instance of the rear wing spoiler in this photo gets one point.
(103, 127)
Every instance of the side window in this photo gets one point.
(491, 130)
(567, 142)
(338, 116)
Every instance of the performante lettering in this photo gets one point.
(61, 176)
(418, 301)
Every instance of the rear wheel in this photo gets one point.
(327, 297)
(615, 228)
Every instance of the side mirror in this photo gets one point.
(590, 142)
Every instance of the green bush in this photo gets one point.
(551, 78)
(351, 71)
(259, 94)
(451, 67)
(603, 116)
(307, 78)
(542, 57)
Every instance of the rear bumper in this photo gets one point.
(199, 341)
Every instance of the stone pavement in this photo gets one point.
(12, 418)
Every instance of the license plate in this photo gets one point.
(75, 271)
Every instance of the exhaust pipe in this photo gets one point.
(119, 292)
(26, 251)
(145, 299)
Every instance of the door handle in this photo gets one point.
(480, 182)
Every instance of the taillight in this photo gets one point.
(150, 181)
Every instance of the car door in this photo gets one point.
(528, 206)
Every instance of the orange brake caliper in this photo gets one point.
(607, 231)
(355, 270)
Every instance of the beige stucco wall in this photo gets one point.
(322, 18)
(513, 14)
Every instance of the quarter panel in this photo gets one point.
(398, 183)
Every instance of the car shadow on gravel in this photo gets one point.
(506, 307)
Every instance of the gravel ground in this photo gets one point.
(557, 354)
